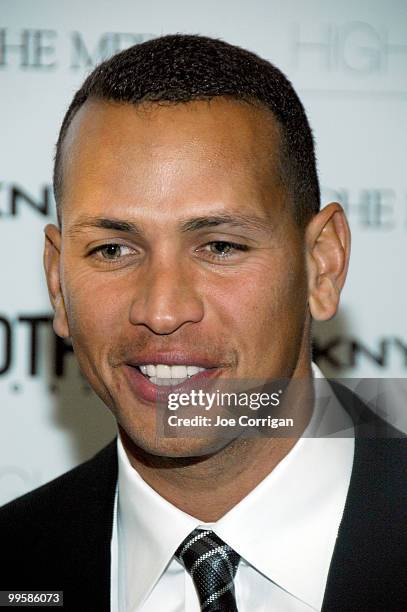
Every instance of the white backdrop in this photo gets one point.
(348, 62)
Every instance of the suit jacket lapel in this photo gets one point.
(367, 570)
(91, 566)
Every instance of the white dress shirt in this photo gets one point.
(284, 530)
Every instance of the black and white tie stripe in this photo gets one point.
(212, 565)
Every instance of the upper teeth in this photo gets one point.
(174, 371)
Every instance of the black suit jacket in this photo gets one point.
(58, 536)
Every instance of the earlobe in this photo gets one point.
(328, 250)
(52, 251)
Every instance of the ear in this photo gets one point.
(52, 254)
(327, 252)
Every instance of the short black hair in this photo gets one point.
(181, 68)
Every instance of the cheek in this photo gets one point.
(95, 309)
(263, 315)
(269, 297)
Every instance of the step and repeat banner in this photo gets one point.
(347, 61)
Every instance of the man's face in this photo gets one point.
(178, 248)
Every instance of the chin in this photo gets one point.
(172, 448)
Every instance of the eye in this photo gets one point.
(222, 249)
(111, 252)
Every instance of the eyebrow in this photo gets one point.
(188, 225)
(118, 225)
(232, 220)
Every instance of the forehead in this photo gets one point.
(155, 154)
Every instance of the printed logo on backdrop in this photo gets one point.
(46, 50)
(16, 199)
(377, 209)
(28, 345)
(351, 56)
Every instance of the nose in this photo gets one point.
(166, 298)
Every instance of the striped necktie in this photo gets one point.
(212, 565)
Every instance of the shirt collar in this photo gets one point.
(150, 529)
(296, 554)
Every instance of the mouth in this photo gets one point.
(153, 382)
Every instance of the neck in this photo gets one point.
(189, 482)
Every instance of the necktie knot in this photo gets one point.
(212, 565)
